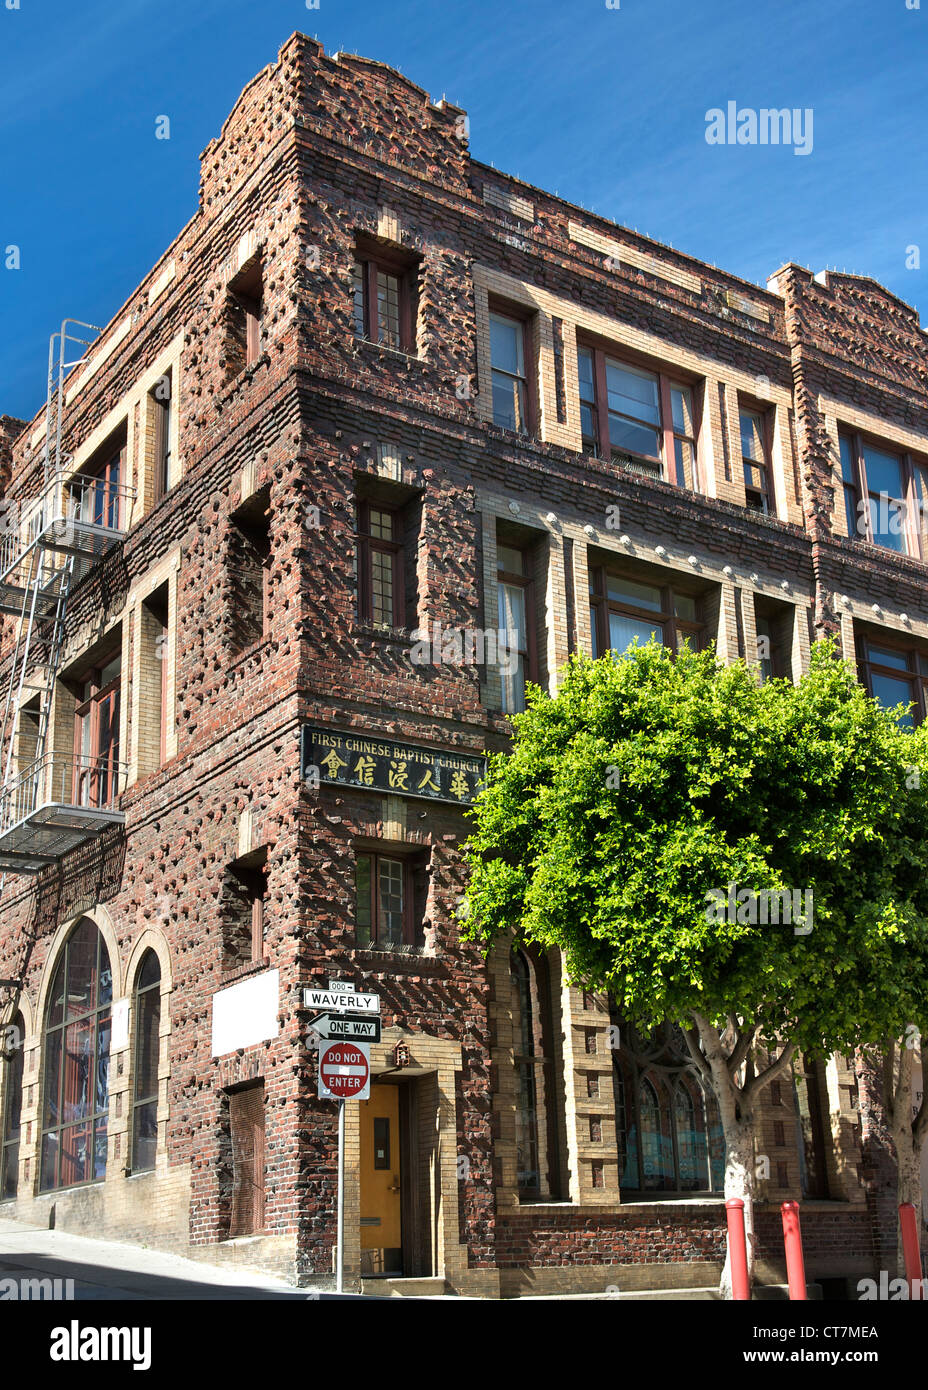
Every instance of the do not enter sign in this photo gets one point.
(344, 1071)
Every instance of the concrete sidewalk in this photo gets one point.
(103, 1269)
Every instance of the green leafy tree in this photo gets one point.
(647, 809)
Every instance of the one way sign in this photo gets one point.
(331, 1026)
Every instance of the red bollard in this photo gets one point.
(910, 1248)
(737, 1250)
(792, 1240)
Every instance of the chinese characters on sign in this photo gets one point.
(399, 769)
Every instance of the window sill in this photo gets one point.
(368, 348)
(377, 953)
(241, 972)
(362, 628)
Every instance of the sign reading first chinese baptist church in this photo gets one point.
(397, 769)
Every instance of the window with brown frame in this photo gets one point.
(895, 673)
(516, 606)
(774, 630)
(381, 563)
(755, 459)
(161, 408)
(644, 420)
(246, 1136)
(885, 494)
(11, 1063)
(390, 893)
(244, 318)
(96, 733)
(96, 492)
(384, 297)
(623, 609)
(510, 351)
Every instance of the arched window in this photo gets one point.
(77, 1062)
(668, 1126)
(12, 1039)
(147, 1052)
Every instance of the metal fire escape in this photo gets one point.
(51, 801)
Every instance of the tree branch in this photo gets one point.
(692, 1041)
(889, 1085)
(741, 1049)
(770, 1072)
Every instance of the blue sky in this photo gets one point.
(607, 106)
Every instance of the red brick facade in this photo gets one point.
(319, 154)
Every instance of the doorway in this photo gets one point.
(381, 1168)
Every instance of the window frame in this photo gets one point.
(139, 1101)
(97, 1017)
(858, 488)
(11, 1130)
(373, 262)
(916, 674)
(666, 618)
(410, 933)
(667, 381)
(367, 544)
(526, 583)
(765, 416)
(523, 321)
(87, 714)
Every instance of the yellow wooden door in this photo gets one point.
(381, 1220)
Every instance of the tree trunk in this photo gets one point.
(908, 1144)
(739, 1182)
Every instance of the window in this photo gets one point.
(622, 609)
(774, 624)
(516, 606)
(524, 1060)
(808, 1088)
(12, 1108)
(152, 656)
(147, 1055)
(641, 419)
(896, 675)
(668, 1126)
(249, 572)
(537, 1109)
(96, 734)
(243, 910)
(511, 403)
(244, 315)
(755, 457)
(383, 299)
(381, 599)
(161, 408)
(77, 1059)
(389, 901)
(884, 495)
(96, 493)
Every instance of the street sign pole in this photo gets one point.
(340, 1236)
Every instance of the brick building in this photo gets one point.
(376, 388)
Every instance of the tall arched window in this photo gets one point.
(536, 1048)
(668, 1125)
(147, 1050)
(12, 1039)
(77, 1062)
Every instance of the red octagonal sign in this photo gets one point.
(344, 1069)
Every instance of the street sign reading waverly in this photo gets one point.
(398, 769)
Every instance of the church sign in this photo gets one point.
(394, 769)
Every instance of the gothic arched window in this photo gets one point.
(145, 1063)
(668, 1126)
(77, 1061)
